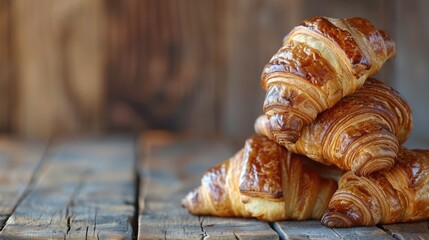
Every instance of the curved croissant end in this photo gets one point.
(262, 127)
(361, 133)
(321, 60)
(216, 199)
(399, 194)
(264, 181)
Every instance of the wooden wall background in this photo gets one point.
(78, 66)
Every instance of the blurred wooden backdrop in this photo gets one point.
(78, 66)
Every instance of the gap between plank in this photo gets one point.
(276, 228)
(386, 230)
(135, 220)
(42, 161)
(204, 234)
(71, 204)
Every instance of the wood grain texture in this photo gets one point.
(85, 189)
(58, 53)
(403, 231)
(315, 230)
(18, 162)
(173, 168)
(5, 65)
(164, 64)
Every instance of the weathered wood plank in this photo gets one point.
(174, 167)
(411, 231)
(315, 230)
(18, 161)
(85, 189)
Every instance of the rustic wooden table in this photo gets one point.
(130, 187)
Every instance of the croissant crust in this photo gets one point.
(362, 132)
(321, 60)
(399, 194)
(265, 181)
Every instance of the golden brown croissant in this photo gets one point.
(321, 60)
(361, 133)
(400, 194)
(265, 181)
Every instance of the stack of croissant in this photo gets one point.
(322, 108)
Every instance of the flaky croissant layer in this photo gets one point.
(400, 194)
(265, 181)
(321, 60)
(361, 133)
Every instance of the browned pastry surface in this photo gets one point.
(265, 181)
(321, 60)
(400, 194)
(362, 132)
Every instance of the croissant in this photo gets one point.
(254, 181)
(361, 133)
(399, 194)
(321, 60)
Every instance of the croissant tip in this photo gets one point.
(335, 219)
(373, 165)
(373, 152)
(286, 137)
(286, 127)
(389, 43)
(184, 203)
(190, 200)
